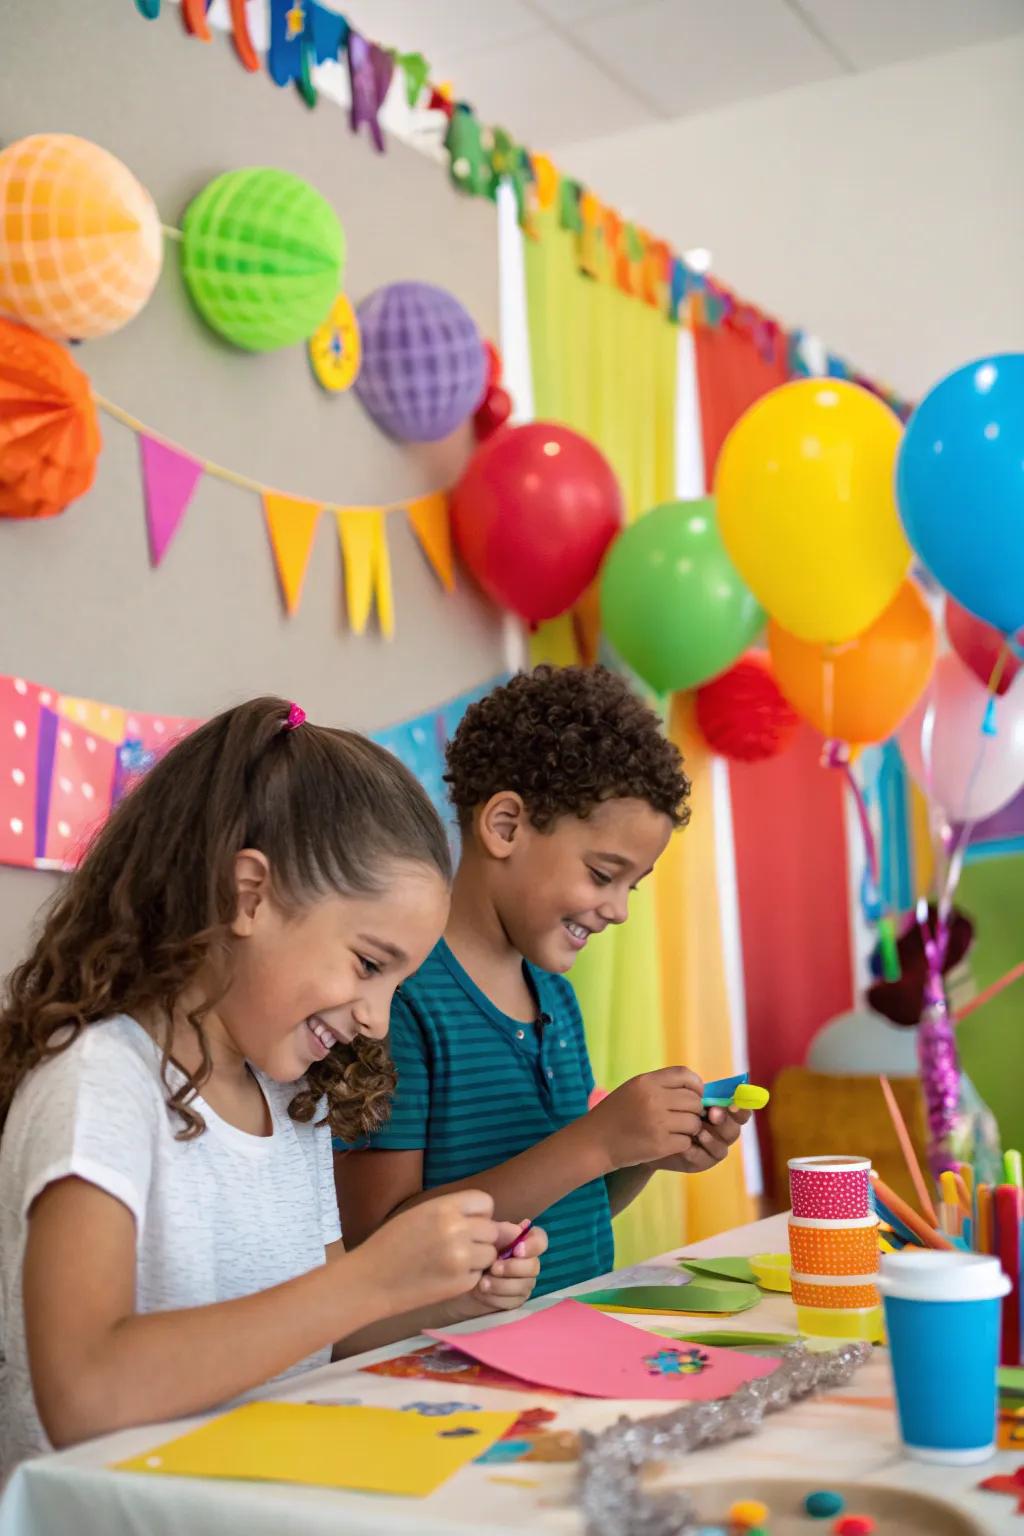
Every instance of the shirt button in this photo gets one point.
(550, 1073)
(520, 1034)
(562, 1044)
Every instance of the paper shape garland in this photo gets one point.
(335, 348)
(432, 526)
(49, 432)
(706, 1296)
(291, 524)
(364, 548)
(374, 1450)
(169, 479)
(64, 762)
(263, 254)
(576, 1349)
(81, 238)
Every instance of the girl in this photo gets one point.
(206, 1004)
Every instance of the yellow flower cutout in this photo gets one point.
(335, 348)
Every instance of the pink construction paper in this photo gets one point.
(574, 1348)
(169, 478)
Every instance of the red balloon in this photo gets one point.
(492, 412)
(980, 645)
(533, 515)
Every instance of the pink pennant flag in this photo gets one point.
(169, 479)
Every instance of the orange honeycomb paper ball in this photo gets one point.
(49, 432)
(80, 239)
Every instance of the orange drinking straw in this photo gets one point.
(983, 1236)
(910, 1218)
(899, 1125)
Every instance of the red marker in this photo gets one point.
(1007, 1204)
(506, 1253)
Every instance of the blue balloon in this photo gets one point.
(960, 487)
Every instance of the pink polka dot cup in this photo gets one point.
(830, 1188)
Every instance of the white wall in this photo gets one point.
(882, 211)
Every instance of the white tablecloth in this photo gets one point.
(850, 1436)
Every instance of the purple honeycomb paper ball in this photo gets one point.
(424, 367)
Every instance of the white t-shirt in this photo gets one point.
(217, 1217)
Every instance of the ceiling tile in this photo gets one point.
(443, 30)
(545, 93)
(875, 32)
(684, 56)
(564, 11)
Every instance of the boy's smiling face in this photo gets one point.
(556, 888)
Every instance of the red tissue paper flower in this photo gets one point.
(743, 715)
(49, 433)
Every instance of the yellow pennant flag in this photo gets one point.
(431, 525)
(291, 524)
(364, 549)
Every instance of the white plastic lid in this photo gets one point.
(832, 1223)
(838, 1164)
(940, 1276)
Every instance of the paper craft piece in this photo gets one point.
(721, 1091)
(432, 526)
(22, 708)
(720, 1269)
(577, 1349)
(169, 480)
(725, 1338)
(364, 549)
(81, 788)
(437, 1362)
(1011, 1379)
(291, 524)
(706, 1296)
(375, 1450)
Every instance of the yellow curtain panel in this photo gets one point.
(653, 991)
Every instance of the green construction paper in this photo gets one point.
(720, 1269)
(723, 1338)
(263, 255)
(709, 1295)
(1011, 1379)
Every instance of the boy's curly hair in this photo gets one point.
(565, 739)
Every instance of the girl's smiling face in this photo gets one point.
(304, 981)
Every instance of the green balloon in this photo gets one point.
(263, 255)
(672, 603)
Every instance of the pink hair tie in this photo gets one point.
(296, 717)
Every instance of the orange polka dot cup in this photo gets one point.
(831, 1292)
(830, 1188)
(849, 1250)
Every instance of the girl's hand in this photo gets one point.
(508, 1282)
(434, 1251)
(711, 1145)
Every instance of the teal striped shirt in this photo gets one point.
(475, 1088)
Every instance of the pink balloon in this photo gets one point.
(968, 774)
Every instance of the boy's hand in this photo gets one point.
(650, 1119)
(508, 1282)
(712, 1143)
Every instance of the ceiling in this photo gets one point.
(554, 72)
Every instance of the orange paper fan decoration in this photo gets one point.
(49, 432)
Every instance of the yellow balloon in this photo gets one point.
(807, 508)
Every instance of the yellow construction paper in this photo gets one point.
(364, 549)
(374, 1450)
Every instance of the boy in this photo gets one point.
(567, 794)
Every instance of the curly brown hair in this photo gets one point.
(153, 900)
(565, 739)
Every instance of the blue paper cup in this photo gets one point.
(942, 1315)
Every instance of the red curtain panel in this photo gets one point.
(792, 883)
(735, 367)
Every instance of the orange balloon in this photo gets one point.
(81, 239)
(861, 690)
(49, 432)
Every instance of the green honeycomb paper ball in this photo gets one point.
(263, 255)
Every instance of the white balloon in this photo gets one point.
(968, 774)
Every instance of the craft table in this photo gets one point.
(848, 1436)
